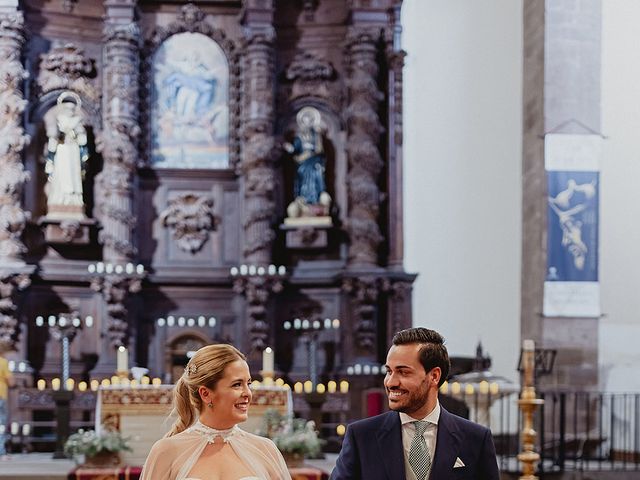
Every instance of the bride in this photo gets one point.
(205, 443)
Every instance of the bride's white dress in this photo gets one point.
(173, 458)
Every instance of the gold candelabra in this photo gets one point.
(528, 404)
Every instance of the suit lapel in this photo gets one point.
(447, 446)
(389, 438)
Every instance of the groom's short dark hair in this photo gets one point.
(432, 354)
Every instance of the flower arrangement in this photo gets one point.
(292, 435)
(90, 443)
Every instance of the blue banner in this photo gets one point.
(572, 228)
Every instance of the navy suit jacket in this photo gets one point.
(372, 450)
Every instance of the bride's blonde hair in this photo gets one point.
(205, 368)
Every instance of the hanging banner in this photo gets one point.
(572, 164)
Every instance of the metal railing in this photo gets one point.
(577, 431)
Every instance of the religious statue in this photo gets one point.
(309, 189)
(67, 154)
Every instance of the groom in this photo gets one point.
(418, 439)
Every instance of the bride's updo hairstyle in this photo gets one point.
(205, 368)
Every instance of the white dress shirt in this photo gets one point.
(409, 431)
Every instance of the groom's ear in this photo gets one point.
(434, 376)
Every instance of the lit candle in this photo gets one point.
(105, 382)
(484, 387)
(455, 388)
(344, 386)
(156, 382)
(122, 360)
(42, 384)
(129, 268)
(444, 388)
(124, 382)
(243, 269)
(282, 270)
(145, 380)
(26, 430)
(15, 428)
(321, 388)
(349, 370)
(69, 384)
(108, 268)
(271, 269)
(115, 380)
(55, 384)
(279, 382)
(260, 271)
(494, 388)
(267, 360)
(139, 269)
(91, 268)
(340, 430)
(233, 271)
(336, 323)
(252, 269)
(468, 389)
(332, 386)
(134, 383)
(82, 386)
(357, 369)
(119, 269)
(94, 385)
(308, 386)
(297, 387)
(100, 267)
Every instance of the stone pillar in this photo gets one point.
(364, 160)
(259, 143)
(14, 273)
(118, 141)
(561, 94)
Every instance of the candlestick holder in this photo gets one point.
(528, 403)
(116, 282)
(257, 284)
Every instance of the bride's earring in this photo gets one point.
(210, 404)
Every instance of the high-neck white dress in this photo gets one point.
(172, 458)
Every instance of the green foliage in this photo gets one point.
(292, 435)
(89, 443)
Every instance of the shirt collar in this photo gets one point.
(432, 417)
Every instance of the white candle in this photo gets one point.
(267, 360)
(271, 269)
(252, 269)
(108, 268)
(260, 271)
(91, 268)
(15, 428)
(55, 384)
(119, 269)
(2, 429)
(243, 269)
(129, 268)
(282, 270)
(139, 269)
(234, 271)
(122, 360)
(100, 267)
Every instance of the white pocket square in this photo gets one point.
(459, 463)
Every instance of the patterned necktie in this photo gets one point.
(419, 457)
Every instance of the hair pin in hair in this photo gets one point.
(191, 368)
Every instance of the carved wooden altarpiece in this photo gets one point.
(187, 175)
